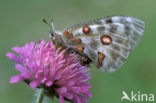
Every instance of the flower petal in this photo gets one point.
(14, 57)
(49, 83)
(68, 95)
(34, 84)
(77, 99)
(16, 79)
(25, 73)
(62, 90)
(61, 99)
(17, 49)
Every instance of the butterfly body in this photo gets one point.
(106, 41)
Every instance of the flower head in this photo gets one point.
(58, 73)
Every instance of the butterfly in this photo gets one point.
(106, 42)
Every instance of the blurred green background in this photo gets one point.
(21, 22)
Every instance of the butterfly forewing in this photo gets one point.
(106, 41)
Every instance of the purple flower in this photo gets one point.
(58, 73)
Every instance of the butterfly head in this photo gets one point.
(55, 36)
(52, 31)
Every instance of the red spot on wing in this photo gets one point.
(100, 62)
(100, 58)
(68, 35)
(106, 40)
(86, 29)
(80, 48)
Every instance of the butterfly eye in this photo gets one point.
(86, 29)
(106, 40)
(51, 34)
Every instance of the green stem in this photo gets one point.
(40, 96)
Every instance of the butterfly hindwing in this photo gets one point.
(106, 41)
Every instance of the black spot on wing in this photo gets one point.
(120, 41)
(115, 47)
(113, 29)
(101, 29)
(109, 21)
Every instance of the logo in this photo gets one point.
(137, 96)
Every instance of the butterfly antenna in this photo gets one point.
(52, 25)
(51, 34)
(46, 23)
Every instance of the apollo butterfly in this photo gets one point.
(106, 41)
